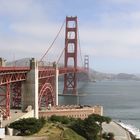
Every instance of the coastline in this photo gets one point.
(119, 132)
(133, 131)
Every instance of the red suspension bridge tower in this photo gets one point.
(86, 62)
(37, 86)
(70, 79)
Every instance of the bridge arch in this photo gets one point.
(46, 95)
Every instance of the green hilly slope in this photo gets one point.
(56, 131)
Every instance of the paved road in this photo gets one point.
(24, 138)
(15, 114)
(120, 133)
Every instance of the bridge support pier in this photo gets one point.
(2, 62)
(30, 88)
(56, 85)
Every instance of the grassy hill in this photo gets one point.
(57, 131)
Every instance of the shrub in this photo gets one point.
(90, 127)
(28, 126)
(108, 136)
(61, 119)
(86, 128)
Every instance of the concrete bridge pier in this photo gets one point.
(30, 88)
(56, 84)
(2, 62)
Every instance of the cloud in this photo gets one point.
(36, 29)
(122, 1)
(115, 43)
(111, 30)
(25, 28)
(19, 8)
(15, 7)
(117, 36)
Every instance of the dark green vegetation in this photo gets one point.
(28, 126)
(108, 136)
(62, 127)
(90, 128)
(62, 119)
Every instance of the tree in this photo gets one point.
(108, 136)
(28, 126)
(87, 128)
(99, 119)
(111, 136)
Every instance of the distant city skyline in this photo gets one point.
(109, 31)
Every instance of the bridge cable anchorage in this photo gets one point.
(79, 45)
(53, 41)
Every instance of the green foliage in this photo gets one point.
(90, 127)
(69, 134)
(99, 119)
(61, 119)
(86, 128)
(108, 136)
(42, 121)
(28, 126)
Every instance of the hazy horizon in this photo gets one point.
(109, 31)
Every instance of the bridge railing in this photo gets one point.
(5, 69)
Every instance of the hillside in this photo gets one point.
(93, 75)
(56, 130)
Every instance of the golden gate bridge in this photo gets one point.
(36, 85)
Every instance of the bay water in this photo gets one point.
(120, 99)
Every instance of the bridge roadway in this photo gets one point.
(13, 76)
(16, 74)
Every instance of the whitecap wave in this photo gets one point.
(135, 131)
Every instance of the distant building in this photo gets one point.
(72, 111)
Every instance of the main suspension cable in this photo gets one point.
(62, 51)
(80, 48)
(60, 56)
(53, 41)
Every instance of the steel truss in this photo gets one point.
(46, 87)
(16, 95)
(8, 77)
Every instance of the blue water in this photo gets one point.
(120, 99)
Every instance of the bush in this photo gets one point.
(108, 136)
(28, 126)
(90, 127)
(86, 128)
(61, 119)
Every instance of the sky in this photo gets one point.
(109, 31)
